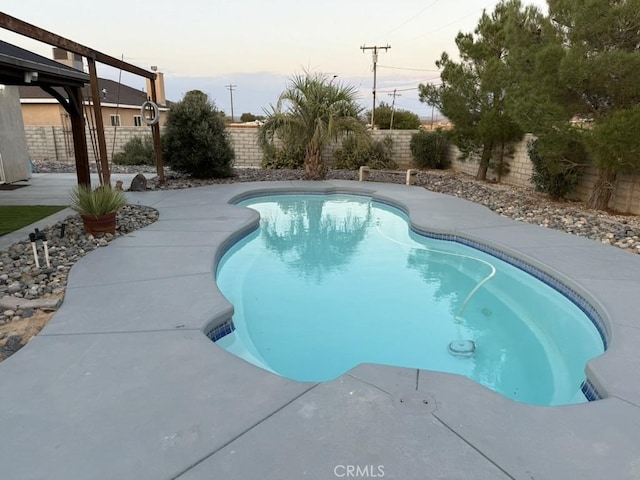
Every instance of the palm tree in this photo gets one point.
(313, 111)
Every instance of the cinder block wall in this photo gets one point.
(400, 146)
(520, 167)
(52, 143)
(245, 145)
(55, 143)
(625, 197)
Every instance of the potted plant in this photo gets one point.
(97, 207)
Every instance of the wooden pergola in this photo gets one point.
(26, 68)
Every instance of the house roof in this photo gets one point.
(112, 92)
(15, 62)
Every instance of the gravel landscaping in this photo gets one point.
(19, 276)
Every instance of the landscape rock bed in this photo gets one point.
(518, 203)
(19, 277)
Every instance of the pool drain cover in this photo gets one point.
(462, 348)
(414, 402)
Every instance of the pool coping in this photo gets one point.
(88, 388)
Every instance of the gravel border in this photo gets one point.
(20, 277)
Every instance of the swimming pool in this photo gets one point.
(332, 281)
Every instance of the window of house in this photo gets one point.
(137, 120)
(115, 120)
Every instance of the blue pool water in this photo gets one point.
(330, 282)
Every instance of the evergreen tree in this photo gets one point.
(195, 139)
(600, 72)
(473, 91)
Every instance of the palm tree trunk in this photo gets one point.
(314, 166)
(601, 192)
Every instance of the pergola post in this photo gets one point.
(79, 136)
(105, 176)
(155, 132)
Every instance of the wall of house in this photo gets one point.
(48, 114)
(14, 159)
(127, 115)
(42, 113)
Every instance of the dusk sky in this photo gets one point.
(258, 45)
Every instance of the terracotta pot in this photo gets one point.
(102, 224)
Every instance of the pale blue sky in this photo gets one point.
(257, 45)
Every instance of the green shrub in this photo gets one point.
(287, 156)
(402, 119)
(137, 151)
(352, 155)
(96, 202)
(557, 158)
(430, 149)
(195, 140)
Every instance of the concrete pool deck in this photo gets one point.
(123, 382)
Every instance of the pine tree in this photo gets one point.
(600, 71)
(473, 91)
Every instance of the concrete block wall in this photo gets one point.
(245, 145)
(41, 142)
(520, 167)
(401, 146)
(625, 197)
(52, 143)
(249, 154)
(55, 144)
(626, 194)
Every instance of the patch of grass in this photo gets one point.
(14, 218)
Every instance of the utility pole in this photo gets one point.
(374, 56)
(393, 106)
(230, 88)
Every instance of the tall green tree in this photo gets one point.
(313, 111)
(402, 119)
(601, 70)
(195, 140)
(541, 104)
(473, 91)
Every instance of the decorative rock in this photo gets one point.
(514, 202)
(12, 345)
(23, 286)
(138, 184)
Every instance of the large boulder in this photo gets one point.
(138, 184)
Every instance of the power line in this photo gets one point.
(411, 18)
(399, 90)
(230, 88)
(412, 69)
(374, 56)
